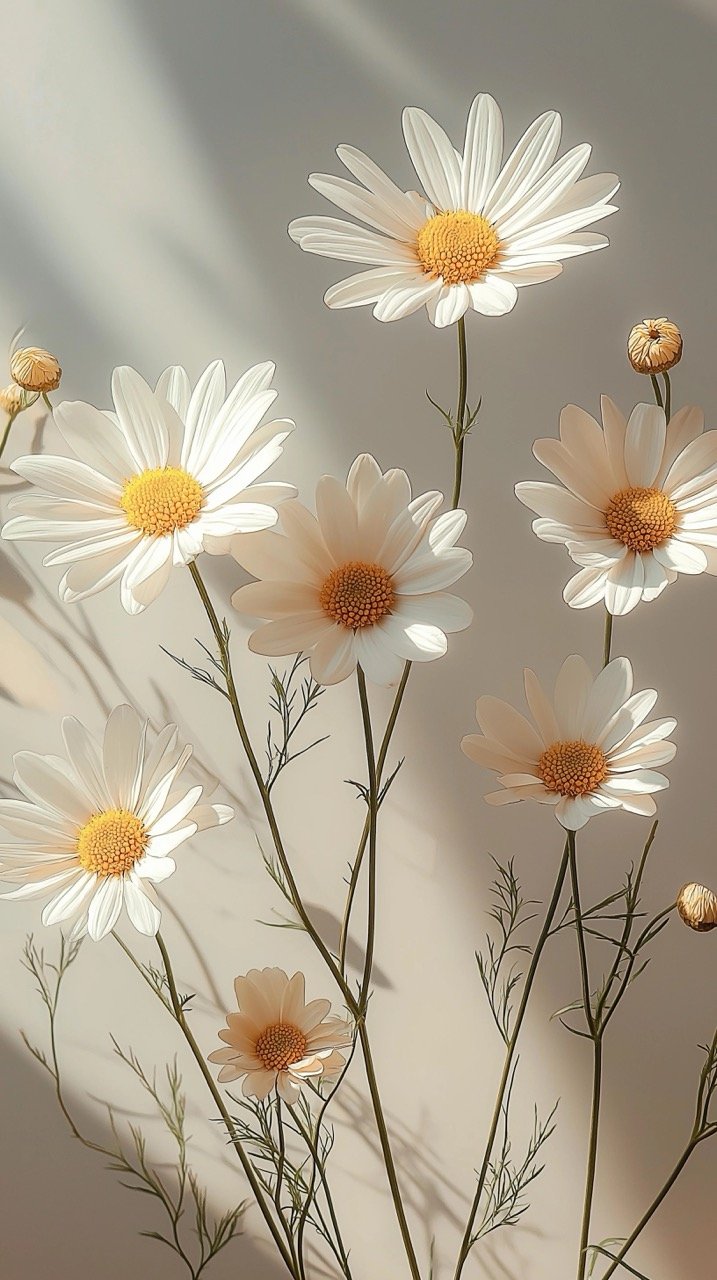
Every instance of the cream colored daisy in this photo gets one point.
(588, 750)
(639, 505)
(482, 231)
(362, 582)
(169, 474)
(96, 828)
(277, 1040)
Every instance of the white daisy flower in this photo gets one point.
(362, 582)
(169, 474)
(589, 751)
(96, 829)
(482, 230)
(639, 506)
(277, 1040)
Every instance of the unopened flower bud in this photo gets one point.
(698, 907)
(35, 369)
(654, 346)
(14, 399)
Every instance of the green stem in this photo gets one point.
(459, 433)
(668, 396)
(652, 1209)
(351, 1001)
(340, 1253)
(48, 401)
(467, 1241)
(656, 389)
(219, 1103)
(356, 869)
(608, 638)
(580, 931)
(373, 820)
(592, 1155)
(6, 433)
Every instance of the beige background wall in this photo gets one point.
(152, 155)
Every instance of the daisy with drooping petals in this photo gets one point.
(277, 1040)
(482, 230)
(169, 474)
(362, 582)
(588, 751)
(96, 829)
(639, 504)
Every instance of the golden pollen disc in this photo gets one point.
(280, 1045)
(357, 594)
(572, 768)
(458, 246)
(642, 519)
(162, 500)
(111, 842)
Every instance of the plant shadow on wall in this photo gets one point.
(362, 590)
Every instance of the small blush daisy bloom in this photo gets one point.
(482, 230)
(639, 505)
(362, 582)
(277, 1040)
(589, 749)
(169, 474)
(95, 829)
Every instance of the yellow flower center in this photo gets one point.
(642, 519)
(111, 842)
(458, 246)
(162, 500)
(357, 594)
(280, 1045)
(572, 768)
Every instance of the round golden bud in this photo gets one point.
(14, 399)
(698, 907)
(35, 369)
(654, 346)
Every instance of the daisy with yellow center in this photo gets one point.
(96, 830)
(482, 230)
(639, 502)
(587, 750)
(277, 1040)
(166, 476)
(361, 582)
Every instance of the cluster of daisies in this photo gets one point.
(364, 580)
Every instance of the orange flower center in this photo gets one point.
(111, 842)
(459, 246)
(642, 519)
(162, 499)
(280, 1045)
(572, 768)
(357, 594)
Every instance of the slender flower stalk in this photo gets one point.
(607, 645)
(668, 395)
(6, 433)
(221, 638)
(459, 429)
(467, 1240)
(372, 836)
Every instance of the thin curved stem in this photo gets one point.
(467, 1241)
(459, 432)
(592, 1156)
(692, 1144)
(372, 833)
(318, 1164)
(356, 869)
(6, 433)
(188, 1034)
(607, 645)
(668, 396)
(580, 931)
(657, 391)
(221, 637)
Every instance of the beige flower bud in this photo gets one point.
(654, 346)
(14, 399)
(35, 369)
(698, 907)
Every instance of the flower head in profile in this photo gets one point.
(654, 346)
(277, 1040)
(35, 369)
(639, 502)
(361, 582)
(96, 829)
(13, 399)
(588, 749)
(169, 474)
(697, 907)
(481, 231)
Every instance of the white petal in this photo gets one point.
(572, 689)
(494, 296)
(105, 907)
(644, 444)
(434, 158)
(145, 916)
(450, 304)
(482, 151)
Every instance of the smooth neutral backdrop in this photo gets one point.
(152, 156)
